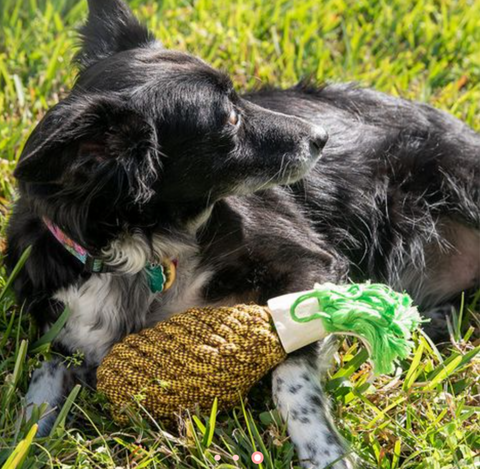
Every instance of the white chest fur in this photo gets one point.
(107, 307)
(96, 316)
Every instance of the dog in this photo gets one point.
(153, 160)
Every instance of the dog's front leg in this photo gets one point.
(303, 405)
(51, 384)
(296, 382)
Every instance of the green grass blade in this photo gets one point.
(444, 373)
(412, 371)
(199, 424)
(210, 428)
(8, 331)
(15, 271)
(50, 335)
(17, 373)
(62, 416)
(468, 357)
(17, 458)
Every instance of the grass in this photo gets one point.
(427, 415)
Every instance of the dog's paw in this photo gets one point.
(315, 455)
(304, 407)
(48, 387)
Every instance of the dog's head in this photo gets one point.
(150, 136)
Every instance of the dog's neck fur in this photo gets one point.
(131, 251)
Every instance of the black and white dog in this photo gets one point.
(153, 158)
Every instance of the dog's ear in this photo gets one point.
(111, 27)
(78, 137)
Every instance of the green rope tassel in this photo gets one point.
(382, 318)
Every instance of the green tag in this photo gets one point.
(156, 277)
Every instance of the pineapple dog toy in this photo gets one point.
(207, 353)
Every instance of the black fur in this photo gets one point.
(143, 145)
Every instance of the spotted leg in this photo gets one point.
(303, 405)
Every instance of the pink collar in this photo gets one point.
(91, 263)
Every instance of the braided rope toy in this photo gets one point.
(207, 353)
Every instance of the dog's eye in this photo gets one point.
(233, 118)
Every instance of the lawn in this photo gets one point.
(427, 415)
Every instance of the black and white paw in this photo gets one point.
(315, 456)
(49, 385)
(302, 404)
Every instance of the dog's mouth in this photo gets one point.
(302, 166)
(291, 170)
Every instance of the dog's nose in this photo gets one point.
(318, 139)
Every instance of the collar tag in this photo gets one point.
(156, 277)
(161, 276)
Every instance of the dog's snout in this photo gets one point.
(318, 139)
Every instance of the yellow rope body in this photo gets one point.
(190, 359)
